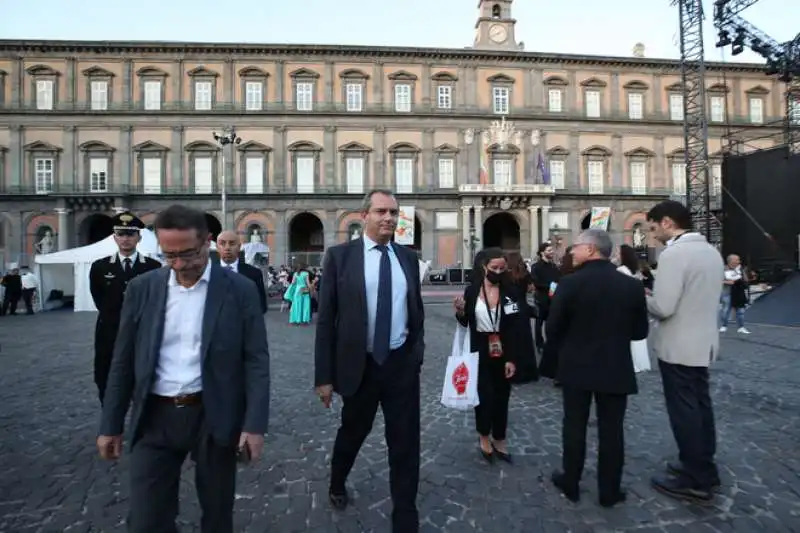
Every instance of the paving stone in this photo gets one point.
(53, 482)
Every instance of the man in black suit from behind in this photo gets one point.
(229, 248)
(369, 350)
(595, 314)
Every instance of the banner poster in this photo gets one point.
(404, 233)
(601, 216)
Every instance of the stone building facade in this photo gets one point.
(87, 128)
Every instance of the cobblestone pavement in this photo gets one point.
(52, 480)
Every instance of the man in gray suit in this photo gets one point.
(192, 355)
(685, 301)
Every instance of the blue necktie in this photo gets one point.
(383, 314)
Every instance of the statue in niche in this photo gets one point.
(639, 237)
(255, 237)
(355, 233)
(45, 246)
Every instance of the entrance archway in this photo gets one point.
(306, 240)
(501, 230)
(95, 228)
(214, 226)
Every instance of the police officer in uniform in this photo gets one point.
(108, 279)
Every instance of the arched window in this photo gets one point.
(496, 11)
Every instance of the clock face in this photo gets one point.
(497, 33)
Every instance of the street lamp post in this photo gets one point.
(227, 138)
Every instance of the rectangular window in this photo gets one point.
(44, 169)
(402, 98)
(203, 175)
(152, 95)
(444, 97)
(202, 95)
(98, 174)
(639, 177)
(592, 104)
(254, 95)
(716, 179)
(99, 90)
(447, 178)
(404, 175)
(502, 172)
(679, 178)
(355, 175)
(254, 175)
(353, 92)
(756, 111)
(305, 174)
(44, 95)
(635, 106)
(500, 100)
(557, 220)
(794, 109)
(304, 97)
(557, 174)
(554, 104)
(676, 107)
(717, 109)
(596, 175)
(151, 175)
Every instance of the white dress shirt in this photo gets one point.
(372, 270)
(178, 370)
(233, 266)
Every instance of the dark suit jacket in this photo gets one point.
(257, 277)
(235, 356)
(513, 327)
(341, 343)
(595, 314)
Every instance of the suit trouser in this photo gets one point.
(10, 303)
(691, 416)
(166, 436)
(611, 438)
(395, 386)
(27, 297)
(104, 337)
(494, 392)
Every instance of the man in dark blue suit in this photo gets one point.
(369, 349)
(229, 248)
(191, 353)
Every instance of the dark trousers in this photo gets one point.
(104, 336)
(167, 435)
(691, 416)
(611, 438)
(27, 297)
(538, 329)
(494, 391)
(10, 304)
(395, 386)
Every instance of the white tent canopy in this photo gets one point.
(68, 270)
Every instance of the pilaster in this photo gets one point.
(461, 86)
(572, 93)
(533, 221)
(659, 177)
(63, 229)
(617, 161)
(280, 79)
(17, 74)
(230, 83)
(176, 178)
(427, 159)
(177, 82)
(127, 83)
(528, 160)
(330, 230)
(545, 227)
(462, 160)
(331, 178)
(738, 109)
(472, 86)
(124, 156)
(377, 86)
(279, 134)
(479, 225)
(467, 262)
(573, 178)
(281, 252)
(69, 168)
(614, 94)
(473, 158)
(71, 82)
(658, 96)
(426, 86)
(534, 94)
(16, 156)
(380, 177)
(330, 76)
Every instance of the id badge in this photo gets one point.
(495, 346)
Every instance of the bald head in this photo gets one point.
(228, 246)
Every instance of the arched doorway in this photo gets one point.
(214, 226)
(306, 240)
(501, 230)
(417, 246)
(95, 228)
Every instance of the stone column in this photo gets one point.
(377, 86)
(738, 109)
(617, 158)
(177, 85)
(536, 89)
(330, 229)
(17, 75)
(533, 220)
(428, 175)
(573, 178)
(658, 180)
(572, 106)
(279, 153)
(68, 181)
(71, 82)
(16, 157)
(461, 87)
(176, 178)
(280, 74)
(229, 178)
(426, 86)
(330, 97)
(465, 253)
(479, 227)
(462, 164)
(545, 229)
(127, 84)
(658, 96)
(125, 153)
(63, 228)
(472, 86)
(332, 179)
(380, 177)
(229, 79)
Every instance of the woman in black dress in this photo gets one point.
(527, 366)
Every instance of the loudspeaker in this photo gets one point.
(761, 208)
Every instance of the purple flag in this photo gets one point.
(545, 172)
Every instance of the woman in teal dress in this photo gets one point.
(299, 294)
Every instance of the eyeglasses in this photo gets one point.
(186, 255)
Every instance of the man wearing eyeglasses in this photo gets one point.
(108, 279)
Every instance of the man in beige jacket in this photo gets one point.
(685, 303)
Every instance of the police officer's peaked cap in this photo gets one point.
(127, 221)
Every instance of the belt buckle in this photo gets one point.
(180, 401)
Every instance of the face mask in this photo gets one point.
(494, 277)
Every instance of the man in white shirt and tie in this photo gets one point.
(229, 249)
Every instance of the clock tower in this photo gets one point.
(494, 29)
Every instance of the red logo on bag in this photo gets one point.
(461, 378)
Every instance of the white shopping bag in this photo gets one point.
(641, 356)
(460, 388)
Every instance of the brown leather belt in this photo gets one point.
(182, 400)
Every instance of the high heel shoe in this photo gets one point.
(487, 456)
(503, 456)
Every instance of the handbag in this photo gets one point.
(460, 387)
(640, 355)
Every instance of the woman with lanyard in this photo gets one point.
(492, 310)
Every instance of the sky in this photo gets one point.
(610, 27)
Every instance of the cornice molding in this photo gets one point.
(177, 50)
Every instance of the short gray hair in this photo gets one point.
(366, 203)
(599, 238)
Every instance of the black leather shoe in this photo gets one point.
(505, 457)
(487, 456)
(339, 501)
(619, 497)
(571, 493)
(676, 469)
(674, 488)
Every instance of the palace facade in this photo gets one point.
(87, 128)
